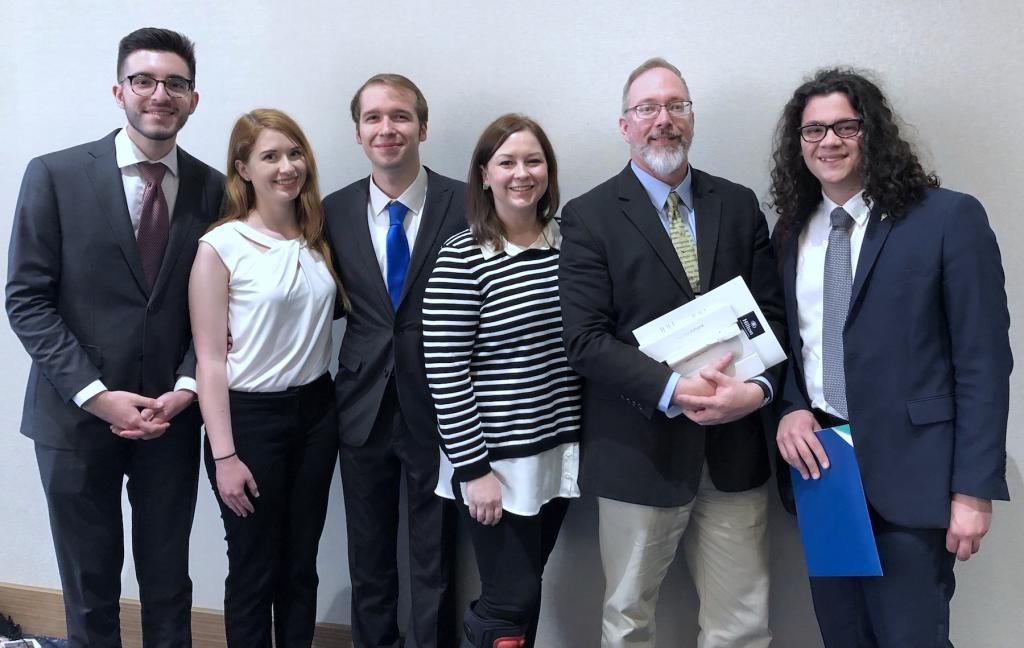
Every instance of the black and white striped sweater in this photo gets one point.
(495, 361)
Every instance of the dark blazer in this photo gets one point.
(77, 296)
(927, 359)
(619, 271)
(379, 341)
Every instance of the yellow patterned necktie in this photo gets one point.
(682, 241)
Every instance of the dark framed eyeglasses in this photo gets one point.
(145, 85)
(679, 108)
(844, 128)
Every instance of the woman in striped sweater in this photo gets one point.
(508, 405)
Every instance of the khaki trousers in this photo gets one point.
(725, 542)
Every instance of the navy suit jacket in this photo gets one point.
(77, 296)
(927, 359)
(618, 270)
(380, 341)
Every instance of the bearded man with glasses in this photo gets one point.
(102, 246)
(669, 458)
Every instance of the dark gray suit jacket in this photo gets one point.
(378, 340)
(77, 296)
(619, 271)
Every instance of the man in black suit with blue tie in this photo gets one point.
(103, 241)
(385, 231)
(898, 325)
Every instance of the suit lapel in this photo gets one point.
(363, 245)
(185, 206)
(874, 239)
(435, 207)
(109, 187)
(708, 211)
(789, 286)
(639, 210)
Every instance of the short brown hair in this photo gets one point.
(649, 64)
(155, 39)
(481, 214)
(396, 81)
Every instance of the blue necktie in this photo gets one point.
(397, 251)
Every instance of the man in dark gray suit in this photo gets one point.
(385, 231)
(673, 460)
(103, 241)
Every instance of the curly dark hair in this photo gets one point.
(894, 179)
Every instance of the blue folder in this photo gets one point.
(835, 528)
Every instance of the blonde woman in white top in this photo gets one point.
(264, 273)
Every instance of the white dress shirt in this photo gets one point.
(414, 197)
(810, 280)
(128, 156)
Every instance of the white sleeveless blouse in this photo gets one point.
(280, 308)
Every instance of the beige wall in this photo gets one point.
(954, 70)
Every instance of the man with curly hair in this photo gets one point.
(898, 325)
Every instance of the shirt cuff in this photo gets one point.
(184, 382)
(90, 390)
(665, 404)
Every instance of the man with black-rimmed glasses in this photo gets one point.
(898, 326)
(103, 241)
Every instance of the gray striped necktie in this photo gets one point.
(682, 241)
(838, 281)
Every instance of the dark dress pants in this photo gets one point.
(83, 495)
(289, 442)
(907, 607)
(510, 557)
(371, 476)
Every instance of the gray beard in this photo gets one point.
(666, 162)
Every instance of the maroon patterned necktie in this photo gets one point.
(154, 223)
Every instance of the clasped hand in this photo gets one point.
(137, 417)
(714, 398)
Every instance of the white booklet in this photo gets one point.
(723, 320)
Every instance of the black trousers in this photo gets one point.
(83, 495)
(289, 442)
(371, 477)
(510, 557)
(906, 607)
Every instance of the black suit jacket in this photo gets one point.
(77, 296)
(927, 359)
(619, 271)
(379, 341)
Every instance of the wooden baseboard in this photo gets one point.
(40, 611)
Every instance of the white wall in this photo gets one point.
(954, 70)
